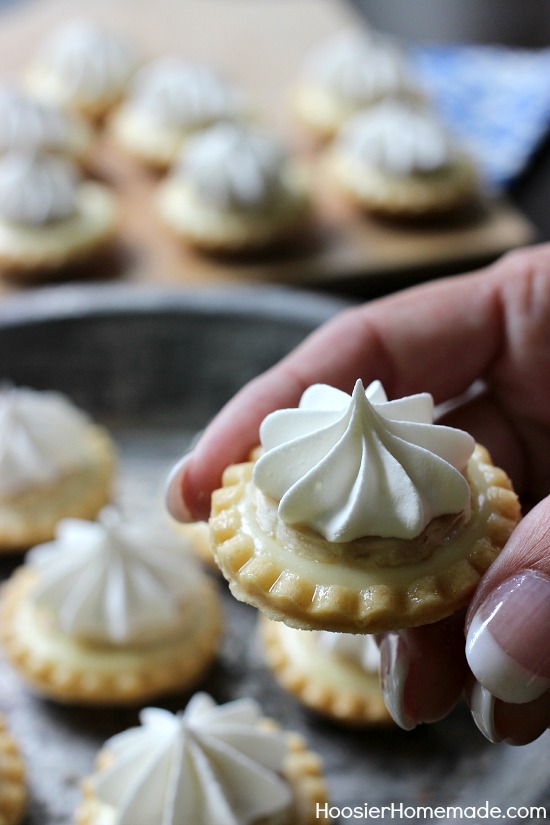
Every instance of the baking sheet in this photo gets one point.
(261, 45)
(154, 366)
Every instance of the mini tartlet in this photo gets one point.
(55, 462)
(235, 188)
(28, 124)
(396, 159)
(169, 100)
(362, 515)
(333, 674)
(13, 794)
(82, 66)
(112, 612)
(50, 217)
(346, 74)
(208, 764)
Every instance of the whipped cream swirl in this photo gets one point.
(37, 188)
(209, 764)
(399, 138)
(43, 436)
(178, 94)
(359, 648)
(115, 581)
(359, 67)
(89, 60)
(360, 465)
(28, 124)
(233, 166)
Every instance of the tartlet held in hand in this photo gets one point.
(82, 66)
(362, 515)
(169, 100)
(13, 794)
(54, 463)
(235, 188)
(112, 612)
(49, 216)
(397, 160)
(347, 74)
(207, 765)
(334, 674)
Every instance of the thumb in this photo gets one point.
(508, 622)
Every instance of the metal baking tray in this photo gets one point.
(154, 366)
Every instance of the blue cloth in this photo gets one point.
(495, 100)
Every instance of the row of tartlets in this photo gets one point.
(109, 609)
(229, 183)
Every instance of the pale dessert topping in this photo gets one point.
(116, 581)
(175, 93)
(88, 61)
(28, 124)
(43, 436)
(356, 647)
(209, 764)
(233, 166)
(355, 466)
(359, 67)
(398, 137)
(37, 188)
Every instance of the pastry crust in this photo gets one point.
(26, 250)
(13, 795)
(368, 586)
(403, 196)
(324, 682)
(302, 768)
(31, 517)
(232, 231)
(156, 145)
(89, 674)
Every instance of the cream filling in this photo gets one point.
(296, 557)
(323, 667)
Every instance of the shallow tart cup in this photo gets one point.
(12, 779)
(368, 585)
(239, 770)
(111, 612)
(332, 684)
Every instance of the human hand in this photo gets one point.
(492, 326)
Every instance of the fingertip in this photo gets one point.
(174, 492)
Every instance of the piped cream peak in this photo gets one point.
(360, 465)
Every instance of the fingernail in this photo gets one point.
(482, 707)
(395, 664)
(173, 494)
(507, 644)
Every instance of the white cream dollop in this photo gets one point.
(85, 60)
(398, 137)
(175, 93)
(37, 188)
(209, 765)
(360, 465)
(43, 437)
(28, 124)
(359, 67)
(234, 166)
(359, 648)
(117, 580)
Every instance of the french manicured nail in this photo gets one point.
(482, 707)
(173, 491)
(395, 664)
(507, 644)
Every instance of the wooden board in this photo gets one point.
(261, 45)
